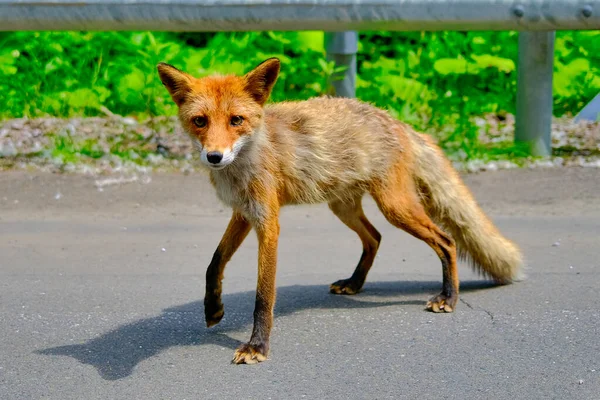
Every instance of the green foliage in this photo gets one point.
(64, 147)
(577, 70)
(459, 66)
(70, 73)
(436, 81)
(465, 72)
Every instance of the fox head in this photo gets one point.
(221, 113)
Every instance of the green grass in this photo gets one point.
(436, 81)
(64, 148)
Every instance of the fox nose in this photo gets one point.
(214, 157)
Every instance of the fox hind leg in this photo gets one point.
(398, 201)
(352, 215)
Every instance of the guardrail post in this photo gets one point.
(342, 47)
(534, 91)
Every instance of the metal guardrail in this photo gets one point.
(328, 15)
(536, 19)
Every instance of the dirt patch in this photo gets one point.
(114, 144)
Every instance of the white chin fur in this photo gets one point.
(229, 155)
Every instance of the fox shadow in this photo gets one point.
(115, 353)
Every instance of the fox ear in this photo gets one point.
(177, 82)
(260, 81)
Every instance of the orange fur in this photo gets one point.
(329, 150)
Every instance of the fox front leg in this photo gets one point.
(236, 232)
(257, 349)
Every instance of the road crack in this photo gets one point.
(488, 313)
(466, 303)
(480, 308)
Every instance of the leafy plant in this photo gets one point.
(437, 81)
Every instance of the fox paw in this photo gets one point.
(213, 311)
(442, 303)
(250, 354)
(345, 286)
(214, 318)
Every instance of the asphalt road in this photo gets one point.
(92, 307)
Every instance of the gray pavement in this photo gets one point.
(91, 307)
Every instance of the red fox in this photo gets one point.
(334, 150)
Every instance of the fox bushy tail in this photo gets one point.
(450, 203)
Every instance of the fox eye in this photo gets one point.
(236, 120)
(200, 122)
